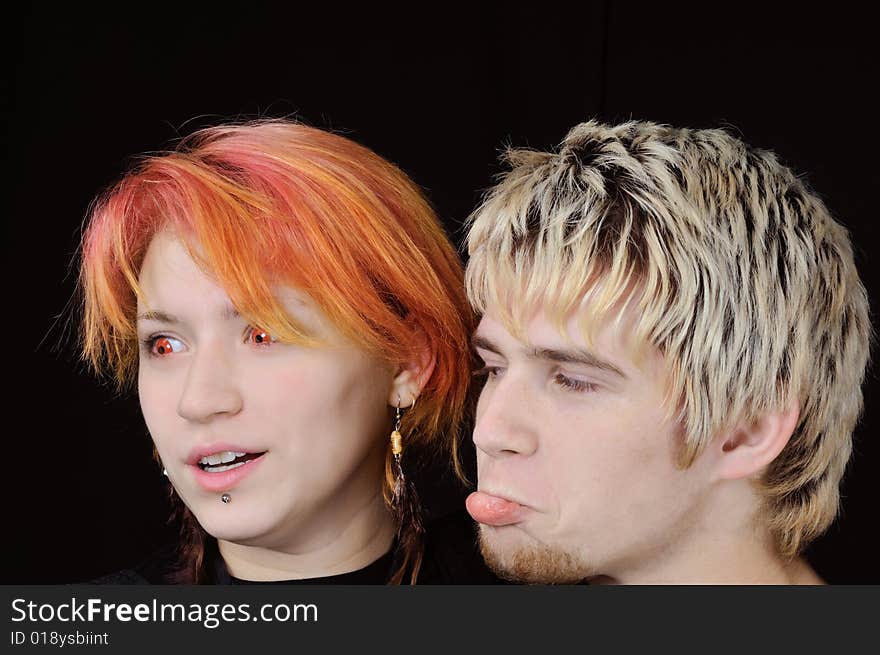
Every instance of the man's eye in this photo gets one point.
(488, 371)
(573, 384)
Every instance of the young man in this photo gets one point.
(674, 336)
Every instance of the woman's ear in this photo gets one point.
(749, 448)
(413, 374)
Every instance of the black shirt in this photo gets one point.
(376, 573)
(451, 557)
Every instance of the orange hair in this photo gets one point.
(271, 202)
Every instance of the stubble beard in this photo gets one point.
(532, 563)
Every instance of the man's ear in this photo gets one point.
(749, 448)
(413, 374)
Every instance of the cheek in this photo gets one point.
(619, 458)
(158, 399)
(312, 386)
(286, 409)
(322, 400)
(283, 389)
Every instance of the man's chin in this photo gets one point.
(530, 563)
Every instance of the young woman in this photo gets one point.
(296, 322)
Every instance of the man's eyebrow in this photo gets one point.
(228, 313)
(582, 357)
(483, 343)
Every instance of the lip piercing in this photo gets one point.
(225, 498)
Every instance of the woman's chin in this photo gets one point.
(238, 527)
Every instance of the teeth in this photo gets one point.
(220, 458)
(220, 469)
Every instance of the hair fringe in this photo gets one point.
(740, 276)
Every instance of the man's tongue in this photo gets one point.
(492, 510)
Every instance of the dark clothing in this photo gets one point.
(451, 557)
(376, 573)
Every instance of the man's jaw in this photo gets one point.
(530, 562)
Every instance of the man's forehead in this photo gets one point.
(549, 350)
(509, 328)
(578, 336)
(539, 326)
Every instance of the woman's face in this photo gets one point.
(309, 424)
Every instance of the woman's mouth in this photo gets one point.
(225, 461)
(221, 470)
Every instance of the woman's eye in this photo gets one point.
(259, 337)
(160, 346)
(573, 384)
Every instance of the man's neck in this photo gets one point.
(723, 567)
(365, 538)
(725, 544)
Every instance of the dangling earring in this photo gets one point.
(396, 450)
(403, 499)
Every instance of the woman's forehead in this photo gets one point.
(172, 282)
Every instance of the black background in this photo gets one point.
(437, 91)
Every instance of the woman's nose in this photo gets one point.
(211, 387)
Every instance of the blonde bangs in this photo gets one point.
(734, 268)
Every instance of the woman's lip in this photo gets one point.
(211, 449)
(224, 480)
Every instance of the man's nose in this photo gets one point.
(211, 387)
(506, 421)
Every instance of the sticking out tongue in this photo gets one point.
(493, 510)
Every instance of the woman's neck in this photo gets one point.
(366, 536)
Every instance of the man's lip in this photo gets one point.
(512, 498)
(209, 449)
(494, 510)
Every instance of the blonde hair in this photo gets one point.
(739, 274)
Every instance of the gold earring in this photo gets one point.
(404, 499)
(396, 438)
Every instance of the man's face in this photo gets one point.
(577, 438)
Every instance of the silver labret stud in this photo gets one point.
(226, 498)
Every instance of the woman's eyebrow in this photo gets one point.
(228, 313)
(158, 317)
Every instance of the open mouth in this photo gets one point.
(225, 461)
